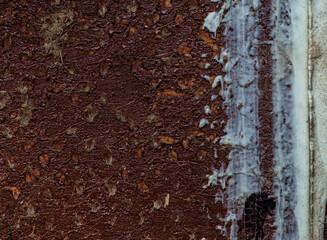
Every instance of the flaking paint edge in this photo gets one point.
(242, 176)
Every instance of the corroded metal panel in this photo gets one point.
(158, 119)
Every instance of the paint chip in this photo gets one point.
(203, 122)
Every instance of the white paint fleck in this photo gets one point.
(212, 179)
(203, 122)
(207, 65)
(217, 80)
(213, 20)
(224, 55)
(212, 125)
(207, 110)
(206, 77)
(218, 177)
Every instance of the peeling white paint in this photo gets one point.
(241, 129)
(213, 97)
(290, 80)
(216, 81)
(212, 125)
(239, 63)
(212, 179)
(206, 77)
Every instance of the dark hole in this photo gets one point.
(256, 208)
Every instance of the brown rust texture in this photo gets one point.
(266, 116)
(99, 110)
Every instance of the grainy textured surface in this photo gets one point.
(100, 108)
(318, 55)
(100, 104)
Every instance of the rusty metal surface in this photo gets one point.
(100, 105)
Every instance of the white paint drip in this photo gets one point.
(223, 55)
(212, 125)
(216, 81)
(213, 20)
(239, 179)
(206, 77)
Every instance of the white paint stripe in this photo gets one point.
(302, 162)
(241, 101)
(292, 163)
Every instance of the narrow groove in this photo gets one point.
(311, 121)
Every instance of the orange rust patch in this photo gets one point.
(167, 140)
(186, 84)
(179, 18)
(29, 178)
(184, 49)
(44, 159)
(202, 154)
(14, 190)
(169, 92)
(173, 155)
(185, 143)
(208, 40)
(27, 147)
(139, 153)
(165, 3)
(197, 133)
(143, 187)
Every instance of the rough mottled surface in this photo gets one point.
(100, 108)
(319, 127)
(100, 111)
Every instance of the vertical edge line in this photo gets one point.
(311, 123)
